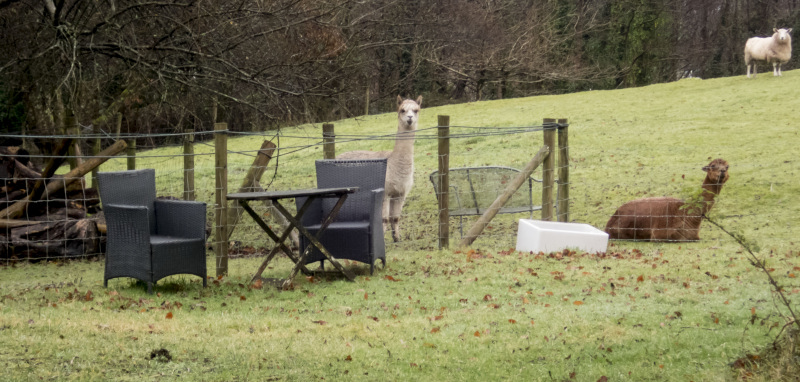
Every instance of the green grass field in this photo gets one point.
(667, 311)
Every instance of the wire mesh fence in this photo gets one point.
(190, 171)
(67, 222)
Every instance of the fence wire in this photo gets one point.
(291, 167)
(69, 223)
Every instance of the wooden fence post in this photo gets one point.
(71, 129)
(118, 126)
(366, 101)
(328, 141)
(96, 150)
(221, 200)
(188, 165)
(444, 181)
(131, 154)
(563, 171)
(548, 169)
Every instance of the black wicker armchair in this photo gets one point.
(150, 239)
(357, 232)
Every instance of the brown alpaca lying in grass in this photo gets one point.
(668, 219)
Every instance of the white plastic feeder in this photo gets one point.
(543, 236)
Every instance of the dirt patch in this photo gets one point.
(160, 355)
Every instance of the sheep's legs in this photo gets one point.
(776, 69)
(755, 69)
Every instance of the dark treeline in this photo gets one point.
(162, 66)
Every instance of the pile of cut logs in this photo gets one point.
(47, 216)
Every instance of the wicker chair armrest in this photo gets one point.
(128, 230)
(180, 218)
(376, 217)
(376, 222)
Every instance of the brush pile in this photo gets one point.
(47, 216)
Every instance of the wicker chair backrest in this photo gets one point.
(366, 174)
(132, 188)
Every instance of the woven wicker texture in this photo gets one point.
(357, 232)
(150, 239)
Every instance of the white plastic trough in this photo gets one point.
(542, 236)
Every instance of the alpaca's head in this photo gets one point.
(717, 172)
(408, 113)
(782, 35)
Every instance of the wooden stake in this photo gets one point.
(188, 165)
(366, 101)
(131, 154)
(328, 141)
(563, 171)
(96, 148)
(501, 200)
(221, 212)
(71, 128)
(444, 181)
(250, 183)
(548, 169)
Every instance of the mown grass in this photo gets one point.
(674, 311)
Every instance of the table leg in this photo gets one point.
(314, 240)
(278, 240)
(296, 224)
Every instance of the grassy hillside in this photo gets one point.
(649, 141)
(669, 311)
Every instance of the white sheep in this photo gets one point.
(776, 50)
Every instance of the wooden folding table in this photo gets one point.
(295, 222)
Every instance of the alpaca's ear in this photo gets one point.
(774, 30)
(706, 168)
(419, 100)
(789, 30)
(399, 100)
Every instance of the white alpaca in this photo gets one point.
(400, 166)
(775, 50)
